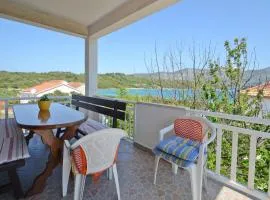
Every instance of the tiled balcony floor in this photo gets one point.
(135, 168)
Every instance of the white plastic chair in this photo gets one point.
(195, 168)
(100, 149)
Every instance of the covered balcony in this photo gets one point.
(143, 121)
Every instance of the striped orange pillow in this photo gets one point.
(79, 159)
(189, 128)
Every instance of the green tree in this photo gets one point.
(222, 93)
(122, 93)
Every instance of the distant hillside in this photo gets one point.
(11, 83)
(186, 73)
(23, 80)
(258, 75)
(119, 80)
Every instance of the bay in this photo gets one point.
(167, 92)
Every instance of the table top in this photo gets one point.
(29, 116)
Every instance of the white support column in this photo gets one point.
(91, 66)
(91, 70)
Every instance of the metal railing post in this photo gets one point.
(6, 109)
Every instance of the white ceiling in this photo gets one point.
(84, 12)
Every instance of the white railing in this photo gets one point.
(236, 138)
(8, 102)
(254, 135)
(226, 123)
(128, 124)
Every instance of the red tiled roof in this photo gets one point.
(253, 91)
(2, 105)
(75, 84)
(50, 85)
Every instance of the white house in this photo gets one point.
(52, 86)
(253, 91)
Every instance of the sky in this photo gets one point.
(28, 48)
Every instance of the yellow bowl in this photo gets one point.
(44, 105)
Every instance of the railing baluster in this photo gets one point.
(268, 193)
(6, 109)
(218, 149)
(252, 160)
(234, 156)
(134, 120)
(128, 123)
(130, 115)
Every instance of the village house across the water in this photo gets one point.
(253, 91)
(49, 87)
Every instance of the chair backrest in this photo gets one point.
(99, 150)
(194, 128)
(109, 107)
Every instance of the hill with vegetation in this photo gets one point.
(254, 76)
(119, 80)
(11, 83)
